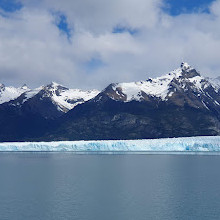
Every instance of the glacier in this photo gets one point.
(184, 144)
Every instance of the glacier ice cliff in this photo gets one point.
(205, 143)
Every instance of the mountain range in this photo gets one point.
(178, 104)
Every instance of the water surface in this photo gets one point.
(109, 187)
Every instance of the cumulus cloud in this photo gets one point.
(99, 16)
(35, 51)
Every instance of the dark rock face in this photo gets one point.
(42, 106)
(190, 107)
(20, 126)
(189, 110)
(134, 120)
(24, 120)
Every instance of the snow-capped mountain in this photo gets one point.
(66, 99)
(50, 101)
(182, 80)
(10, 93)
(178, 104)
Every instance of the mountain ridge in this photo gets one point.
(178, 104)
(60, 98)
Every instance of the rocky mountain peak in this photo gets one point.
(55, 86)
(179, 103)
(2, 87)
(53, 89)
(185, 66)
(181, 80)
(188, 71)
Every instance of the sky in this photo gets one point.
(91, 43)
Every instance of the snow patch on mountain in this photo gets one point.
(66, 99)
(185, 66)
(164, 87)
(10, 93)
(72, 97)
(157, 87)
(31, 93)
(63, 98)
(215, 83)
(182, 79)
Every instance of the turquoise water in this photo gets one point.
(109, 186)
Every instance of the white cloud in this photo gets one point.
(34, 51)
(99, 16)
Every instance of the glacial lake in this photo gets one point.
(58, 186)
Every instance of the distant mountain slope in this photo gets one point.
(29, 113)
(183, 80)
(49, 101)
(9, 93)
(180, 103)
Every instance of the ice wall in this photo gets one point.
(168, 144)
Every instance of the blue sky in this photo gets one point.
(176, 7)
(172, 7)
(63, 25)
(15, 5)
(122, 29)
(10, 5)
(91, 43)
